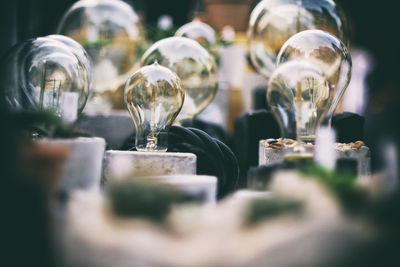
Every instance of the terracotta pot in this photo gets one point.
(46, 162)
(83, 168)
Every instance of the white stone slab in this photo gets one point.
(122, 164)
(268, 155)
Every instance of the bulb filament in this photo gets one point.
(298, 101)
(151, 143)
(42, 85)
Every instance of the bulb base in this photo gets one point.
(152, 143)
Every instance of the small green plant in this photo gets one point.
(39, 124)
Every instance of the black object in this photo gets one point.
(213, 156)
(347, 166)
(381, 129)
(249, 129)
(258, 178)
(213, 129)
(260, 98)
(349, 127)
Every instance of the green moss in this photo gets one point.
(132, 198)
(263, 209)
(341, 184)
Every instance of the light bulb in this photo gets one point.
(45, 74)
(273, 22)
(193, 65)
(111, 33)
(201, 32)
(76, 48)
(154, 96)
(327, 52)
(299, 96)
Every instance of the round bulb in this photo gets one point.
(194, 66)
(200, 32)
(111, 33)
(76, 48)
(154, 96)
(273, 22)
(45, 74)
(327, 52)
(299, 96)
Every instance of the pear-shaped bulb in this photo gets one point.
(299, 96)
(154, 96)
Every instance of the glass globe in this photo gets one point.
(324, 50)
(44, 73)
(76, 48)
(201, 32)
(272, 22)
(299, 96)
(194, 66)
(111, 33)
(154, 96)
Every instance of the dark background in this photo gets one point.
(23, 19)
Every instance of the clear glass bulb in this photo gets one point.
(45, 74)
(201, 32)
(76, 48)
(327, 52)
(273, 22)
(194, 66)
(299, 96)
(111, 33)
(154, 96)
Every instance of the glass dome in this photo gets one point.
(154, 96)
(273, 22)
(324, 50)
(194, 66)
(111, 33)
(44, 73)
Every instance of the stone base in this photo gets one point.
(269, 155)
(124, 164)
